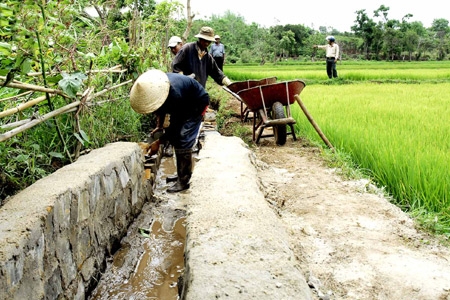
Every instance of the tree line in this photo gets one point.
(372, 38)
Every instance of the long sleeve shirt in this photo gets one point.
(190, 59)
(331, 50)
(186, 99)
(186, 103)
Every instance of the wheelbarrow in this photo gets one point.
(237, 86)
(270, 105)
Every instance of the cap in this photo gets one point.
(149, 91)
(174, 41)
(217, 36)
(206, 33)
(330, 38)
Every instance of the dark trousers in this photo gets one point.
(219, 62)
(331, 68)
(183, 134)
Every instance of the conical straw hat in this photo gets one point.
(149, 91)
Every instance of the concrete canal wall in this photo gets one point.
(56, 234)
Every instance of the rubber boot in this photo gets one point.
(171, 178)
(184, 170)
(168, 150)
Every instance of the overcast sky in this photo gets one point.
(339, 14)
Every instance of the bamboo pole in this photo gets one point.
(74, 109)
(313, 123)
(22, 106)
(20, 126)
(34, 122)
(15, 124)
(37, 88)
(33, 74)
(109, 89)
(16, 96)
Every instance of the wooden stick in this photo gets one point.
(16, 96)
(37, 88)
(313, 123)
(34, 122)
(33, 74)
(15, 124)
(108, 89)
(22, 106)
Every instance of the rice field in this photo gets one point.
(398, 132)
(349, 71)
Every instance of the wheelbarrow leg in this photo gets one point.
(260, 133)
(246, 112)
(254, 126)
(293, 132)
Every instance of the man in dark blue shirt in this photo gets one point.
(186, 101)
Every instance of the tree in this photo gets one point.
(413, 33)
(364, 28)
(301, 34)
(441, 29)
(287, 43)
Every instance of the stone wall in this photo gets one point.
(56, 234)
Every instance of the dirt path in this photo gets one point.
(351, 242)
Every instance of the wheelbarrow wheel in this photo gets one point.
(279, 131)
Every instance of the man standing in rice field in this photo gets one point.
(332, 54)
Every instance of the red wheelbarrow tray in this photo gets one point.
(264, 96)
(260, 100)
(237, 86)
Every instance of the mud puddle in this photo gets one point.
(150, 262)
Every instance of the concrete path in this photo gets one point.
(236, 246)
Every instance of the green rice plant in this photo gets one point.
(347, 70)
(397, 131)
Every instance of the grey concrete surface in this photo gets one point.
(236, 246)
(56, 234)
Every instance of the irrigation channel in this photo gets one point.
(150, 261)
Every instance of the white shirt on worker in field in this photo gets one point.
(331, 50)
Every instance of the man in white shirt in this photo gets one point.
(332, 53)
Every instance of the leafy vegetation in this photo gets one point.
(58, 46)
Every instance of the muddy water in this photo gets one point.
(150, 261)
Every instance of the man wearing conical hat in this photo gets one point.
(194, 58)
(186, 101)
